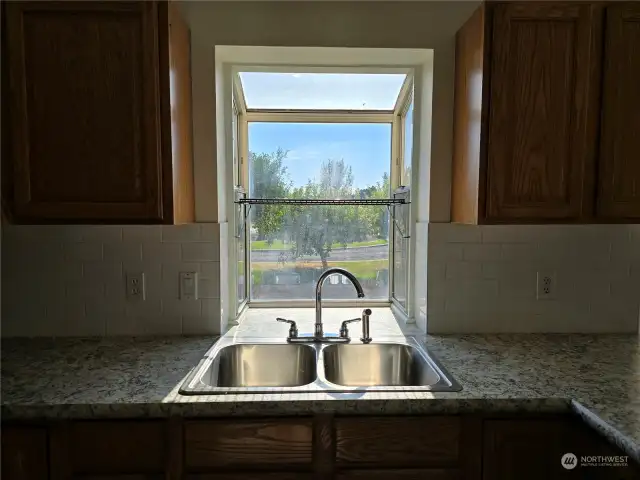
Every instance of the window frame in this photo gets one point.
(391, 117)
(405, 99)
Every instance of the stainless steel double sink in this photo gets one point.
(273, 366)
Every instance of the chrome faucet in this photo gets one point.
(318, 331)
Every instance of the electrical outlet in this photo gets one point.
(188, 285)
(135, 286)
(546, 286)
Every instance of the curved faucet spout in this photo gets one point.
(319, 330)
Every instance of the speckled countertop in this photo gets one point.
(596, 376)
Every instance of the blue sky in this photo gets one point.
(366, 147)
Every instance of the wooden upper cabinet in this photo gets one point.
(90, 113)
(619, 163)
(526, 113)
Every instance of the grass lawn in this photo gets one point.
(278, 245)
(360, 268)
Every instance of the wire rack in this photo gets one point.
(400, 219)
(314, 201)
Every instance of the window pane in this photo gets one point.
(291, 246)
(408, 145)
(321, 91)
(287, 262)
(401, 245)
(285, 158)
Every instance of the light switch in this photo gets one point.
(188, 285)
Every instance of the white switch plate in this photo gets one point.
(188, 285)
(135, 286)
(546, 286)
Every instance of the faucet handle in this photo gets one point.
(344, 331)
(293, 329)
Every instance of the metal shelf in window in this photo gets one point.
(400, 199)
(315, 201)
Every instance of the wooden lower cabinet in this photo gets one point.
(533, 449)
(401, 474)
(324, 447)
(24, 453)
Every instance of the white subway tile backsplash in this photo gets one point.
(83, 252)
(168, 252)
(200, 252)
(463, 270)
(142, 233)
(122, 252)
(177, 307)
(101, 272)
(209, 232)
(79, 273)
(200, 325)
(209, 288)
(181, 233)
(493, 288)
(479, 252)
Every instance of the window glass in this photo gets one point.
(290, 246)
(321, 91)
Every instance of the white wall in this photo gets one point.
(483, 279)
(69, 280)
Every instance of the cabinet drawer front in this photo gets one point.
(401, 442)
(404, 474)
(252, 476)
(126, 447)
(247, 444)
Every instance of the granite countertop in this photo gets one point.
(596, 376)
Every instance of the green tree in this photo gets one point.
(268, 178)
(315, 229)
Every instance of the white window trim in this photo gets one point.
(393, 117)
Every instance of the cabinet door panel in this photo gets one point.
(525, 449)
(24, 453)
(543, 103)
(619, 162)
(408, 474)
(84, 106)
(248, 444)
(401, 442)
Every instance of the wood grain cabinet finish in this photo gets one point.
(90, 112)
(403, 442)
(135, 449)
(542, 125)
(24, 453)
(276, 444)
(619, 163)
(532, 449)
(401, 474)
(527, 113)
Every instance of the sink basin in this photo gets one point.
(387, 364)
(258, 365)
(268, 365)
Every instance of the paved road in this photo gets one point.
(337, 254)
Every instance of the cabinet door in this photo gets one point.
(619, 162)
(84, 110)
(24, 453)
(105, 450)
(543, 111)
(525, 449)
